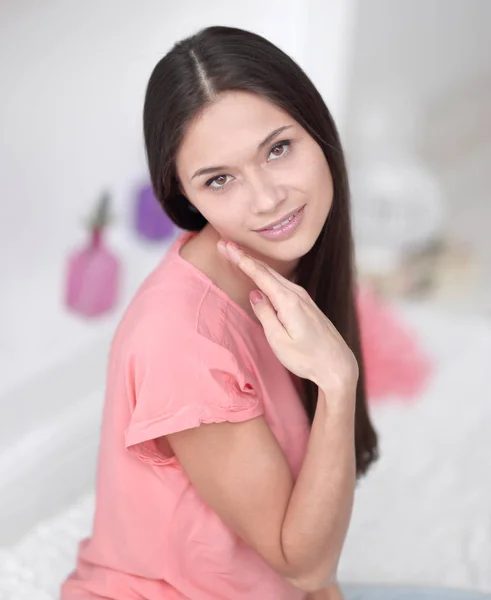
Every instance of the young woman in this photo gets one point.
(235, 421)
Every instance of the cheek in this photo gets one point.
(320, 176)
(326, 181)
(320, 189)
(312, 171)
(225, 219)
(320, 168)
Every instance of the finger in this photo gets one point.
(266, 313)
(298, 289)
(286, 282)
(265, 281)
(292, 305)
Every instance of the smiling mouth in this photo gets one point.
(285, 220)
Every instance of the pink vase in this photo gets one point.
(93, 278)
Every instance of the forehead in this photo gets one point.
(229, 129)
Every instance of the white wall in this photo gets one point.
(431, 45)
(427, 64)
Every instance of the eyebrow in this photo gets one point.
(267, 140)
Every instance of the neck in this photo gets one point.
(229, 277)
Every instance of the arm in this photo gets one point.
(319, 510)
(240, 470)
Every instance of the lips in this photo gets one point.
(279, 221)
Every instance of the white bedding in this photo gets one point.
(422, 516)
(424, 513)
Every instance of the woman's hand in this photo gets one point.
(301, 336)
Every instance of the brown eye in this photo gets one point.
(218, 182)
(279, 150)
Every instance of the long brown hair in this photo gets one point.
(194, 72)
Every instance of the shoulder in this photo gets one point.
(177, 339)
(175, 314)
(178, 311)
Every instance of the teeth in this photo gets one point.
(284, 222)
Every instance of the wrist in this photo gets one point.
(340, 401)
(342, 390)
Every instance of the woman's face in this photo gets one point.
(246, 165)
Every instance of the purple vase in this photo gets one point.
(93, 275)
(151, 221)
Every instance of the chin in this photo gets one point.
(290, 250)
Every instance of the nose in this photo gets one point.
(266, 193)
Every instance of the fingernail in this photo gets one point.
(255, 297)
(234, 253)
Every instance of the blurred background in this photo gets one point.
(409, 85)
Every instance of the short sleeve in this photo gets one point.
(181, 379)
